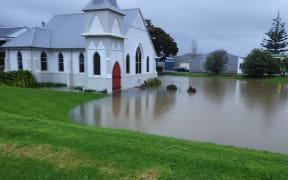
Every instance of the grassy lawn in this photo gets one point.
(39, 141)
(279, 80)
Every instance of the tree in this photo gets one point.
(259, 63)
(164, 44)
(277, 37)
(284, 66)
(216, 61)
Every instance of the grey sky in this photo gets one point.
(237, 26)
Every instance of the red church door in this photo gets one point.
(116, 74)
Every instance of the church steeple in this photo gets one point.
(103, 5)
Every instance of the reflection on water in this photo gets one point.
(246, 113)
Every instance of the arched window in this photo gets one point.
(128, 64)
(138, 61)
(81, 63)
(60, 62)
(148, 64)
(2, 60)
(19, 60)
(44, 66)
(97, 64)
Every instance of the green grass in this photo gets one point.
(276, 79)
(39, 141)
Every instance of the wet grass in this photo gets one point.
(38, 141)
(273, 79)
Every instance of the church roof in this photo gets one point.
(103, 5)
(62, 32)
(6, 32)
(66, 31)
(36, 37)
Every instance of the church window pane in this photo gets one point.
(44, 66)
(61, 62)
(81, 63)
(138, 61)
(128, 64)
(148, 64)
(20, 61)
(97, 64)
(2, 60)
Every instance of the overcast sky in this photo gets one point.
(237, 26)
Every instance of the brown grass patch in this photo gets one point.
(149, 174)
(63, 158)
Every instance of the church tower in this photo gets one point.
(104, 38)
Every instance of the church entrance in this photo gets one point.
(116, 74)
(2, 60)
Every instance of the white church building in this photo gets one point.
(102, 48)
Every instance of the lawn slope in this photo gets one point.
(38, 141)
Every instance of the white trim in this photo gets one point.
(104, 34)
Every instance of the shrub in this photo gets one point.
(50, 84)
(79, 88)
(259, 63)
(171, 87)
(152, 82)
(216, 62)
(18, 78)
(89, 90)
(191, 90)
(105, 91)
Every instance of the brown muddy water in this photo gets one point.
(246, 113)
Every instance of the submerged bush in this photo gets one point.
(171, 87)
(152, 82)
(191, 90)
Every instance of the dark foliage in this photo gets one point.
(277, 37)
(152, 82)
(162, 41)
(18, 78)
(259, 63)
(216, 61)
(171, 87)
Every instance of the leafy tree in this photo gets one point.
(259, 63)
(284, 66)
(277, 37)
(216, 61)
(164, 44)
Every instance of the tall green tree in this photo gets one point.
(277, 37)
(164, 44)
(216, 61)
(284, 66)
(259, 63)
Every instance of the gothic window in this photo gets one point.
(138, 61)
(128, 64)
(60, 62)
(97, 64)
(19, 61)
(44, 66)
(81, 63)
(148, 64)
(2, 60)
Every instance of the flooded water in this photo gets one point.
(246, 113)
